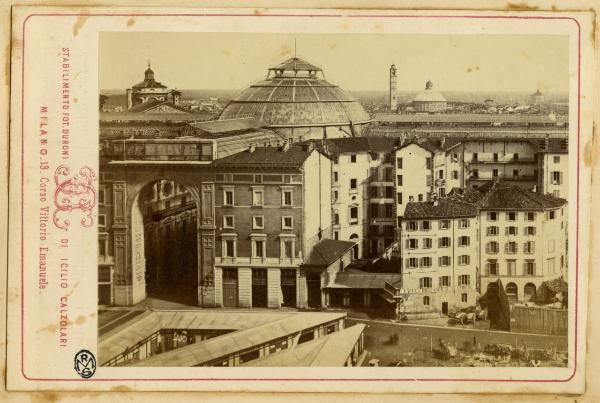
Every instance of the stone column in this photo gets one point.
(302, 298)
(218, 288)
(274, 288)
(244, 287)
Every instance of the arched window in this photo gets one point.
(512, 291)
(354, 238)
(426, 300)
(529, 292)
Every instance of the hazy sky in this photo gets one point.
(353, 61)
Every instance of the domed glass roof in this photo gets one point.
(295, 94)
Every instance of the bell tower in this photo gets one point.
(393, 96)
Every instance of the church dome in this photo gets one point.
(295, 94)
(429, 94)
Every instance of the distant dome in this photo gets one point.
(429, 100)
(296, 95)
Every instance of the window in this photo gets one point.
(492, 216)
(444, 242)
(530, 230)
(492, 267)
(444, 260)
(475, 173)
(529, 267)
(495, 157)
(425, 282)
(389, 174)
(427, 243)
(353, 158)
(228, 221)
(492, 247)
(229, 250)
(557, 159)
(463, 223)
(464, 279)
(399, 197)
(445, 281)
(412, 263)
(511, 216)
(529, 247)
(556, 178)
(510, 247)
(464, 260)
(426, 225)
(412, 243)
(353, 214)
(287, 248)
(494, 173)
(428, 162)
(102, 249)
(492, 231)
(512, 230)
(228, 197)
(353, 184)
(287, 222)
(425, 262)
(426, 300)
(287, 197)
(516, 157)
(420, 197)
(101, 220)
(335, 195)
(336, 219)
(412, 225)
(551, 245)
(441, 174)
(374, 210)
(454, 174)
(551, 265)
(399, 180)
(374, 191)
(552, 215)
(511, 267)
(464, 297)
(389, 192)
(442, 192)
(475, 156)
(455, 157)
(258, 248)
(444, 224)
(530, 216)
(464, 241)
(336, 235)
(335, 176)
(388, 210)
(258, 196)
(101, 196)
(258, 222)
(399, 163)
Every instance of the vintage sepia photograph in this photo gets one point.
(333, 200)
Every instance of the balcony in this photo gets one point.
(488, 176)
(245, 261)
(160, 150)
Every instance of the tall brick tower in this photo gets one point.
(393, 98)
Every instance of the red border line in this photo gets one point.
(296, 16)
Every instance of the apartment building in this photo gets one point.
(362, 191)
(453, 247)
(523, 238)
(439, 245)
(271, 207)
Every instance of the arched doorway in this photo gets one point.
(164, 243)
(512, 292)
(529, 292)
(355, 250)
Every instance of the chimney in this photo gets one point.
(442, 142)
(286, 145)
(308, 147)
(251, 148)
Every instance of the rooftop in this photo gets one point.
(284, 156)
(471, 118)
(328, 351)
(350, 145)
(443, 207)
(327, 251)
(357, 279)
(220, 127)
(153, 104)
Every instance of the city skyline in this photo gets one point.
(451, 62)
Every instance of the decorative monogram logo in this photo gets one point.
(74, 193)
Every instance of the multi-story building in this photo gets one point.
(553, 166)
(440, 255)
(453, 247)
(523, 238)
(362, 190)
(271, 207)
